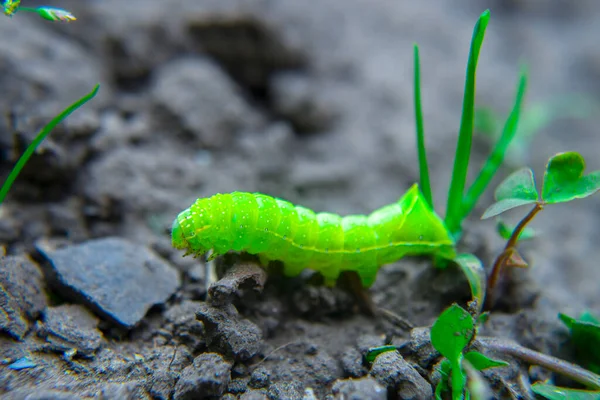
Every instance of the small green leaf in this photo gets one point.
(481, 362)
(483, 317)
(476, 276)
(564, 179)
(559, 393)
(586, 316)
(516, 190)
(452, 331)
(373, 352)
(568, 321)
(586, 338)
(506, 231)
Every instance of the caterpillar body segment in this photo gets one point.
(277, 230)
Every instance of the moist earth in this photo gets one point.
(306, 101)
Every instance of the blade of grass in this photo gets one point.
(496, 158)
(423, 166)
(40, 137)
(465, 135)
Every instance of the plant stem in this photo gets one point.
(465, 134)
(496, 158)
(554, 364)
(39, 138)
(423, 166)
(510, 248)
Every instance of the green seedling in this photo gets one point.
(460, 205)
(505, 230)
(563, 181)
(373, 352)
(39, 138)
(551, 392)
(10, 7)
(454, 334)
(585, 335)
(534, 119)
(451, 334)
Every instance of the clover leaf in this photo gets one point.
(564, 179)
(515, 191)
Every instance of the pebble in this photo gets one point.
(207, 377)
(119, 280)
(22, 295)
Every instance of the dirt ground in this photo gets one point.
(306, 101)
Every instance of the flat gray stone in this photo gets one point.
(119, 280)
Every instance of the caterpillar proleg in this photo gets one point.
(328, 243)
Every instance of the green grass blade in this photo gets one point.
(40, 137)
(465, 135)
(423, 166)
(496, 158)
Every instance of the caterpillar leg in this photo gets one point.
(368, 276)
(264, 260)
(330, 277)
(291, 269)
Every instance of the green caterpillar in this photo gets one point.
(277, 230)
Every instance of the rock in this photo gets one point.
(352, 363)
(166, 364)
(420, 346)
(132, 390)
(359, 389)
(42, 394)
(237, 279)
(207, 377)
(70, 327)
(395, 373)
(114, 277)
(227, 333)
(181, 321)
(260, 378)
(292, 390)
(254, 395)
(22, 296)
(203, 98)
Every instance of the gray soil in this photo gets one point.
(307, 101)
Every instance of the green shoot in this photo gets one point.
(534, 118)
(475, 273)
(373, 352)
(496, 158)
(551, 392)
(505, 230)
(39, 138)
(10, 7)
(451, 334)
(425, 183)
(465, 136)
(585, 335)
(563, 181)
(459, 204)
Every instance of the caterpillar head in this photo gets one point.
(190, 232)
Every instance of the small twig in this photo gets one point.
(554, 364)
(397, 320)
(283, 346)
(509, 250)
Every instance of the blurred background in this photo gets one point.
(310, 101)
